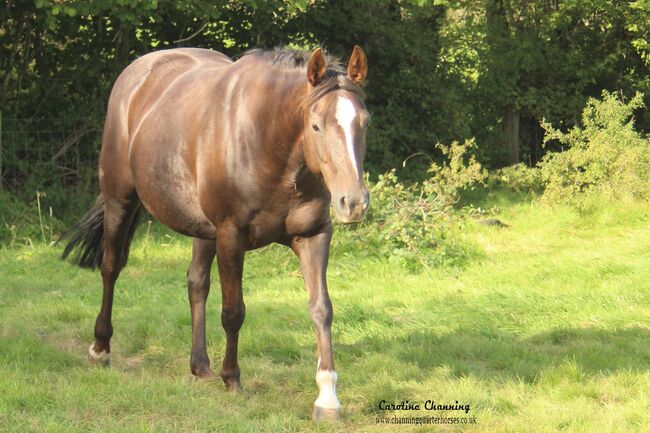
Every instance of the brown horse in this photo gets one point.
(236, 155)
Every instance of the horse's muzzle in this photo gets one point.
(352, 207)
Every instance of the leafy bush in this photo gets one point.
(605, 156)
(518, 178)
(406, 221)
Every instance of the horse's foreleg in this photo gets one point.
(314, 253)
(198, 286)
(230, 259)
(118, 219)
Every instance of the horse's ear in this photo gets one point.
(316, 67)
(358, 65)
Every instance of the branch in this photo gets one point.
(71, 142)
(205, 24)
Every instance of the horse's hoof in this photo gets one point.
(102, 358)
(232, 385)
(231, 379)
(325, 414)
(205, 374)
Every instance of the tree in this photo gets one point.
(538, 59)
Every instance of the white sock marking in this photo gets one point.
(327, 398)
(345, 115)
(102, 357)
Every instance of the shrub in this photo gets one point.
(605, 156)
(406, 221)
(518, 178)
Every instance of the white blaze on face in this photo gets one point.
(327, 398)
(345, 115)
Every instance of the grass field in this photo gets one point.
(546, 330)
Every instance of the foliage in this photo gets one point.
(605, 156)
(541, 59)
(407, 221)
(517, 178)
(639, 26)
(460, 170)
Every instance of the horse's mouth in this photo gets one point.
(350, 219)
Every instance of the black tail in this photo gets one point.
(86, 238)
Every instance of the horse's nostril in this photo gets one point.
(342, 201)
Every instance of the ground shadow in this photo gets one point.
(492, 354)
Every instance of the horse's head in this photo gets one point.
(335, 132)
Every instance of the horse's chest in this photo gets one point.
(299, 219)
(306, 217)
(264, 228)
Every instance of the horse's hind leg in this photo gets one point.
(119, 223)
(198, 285)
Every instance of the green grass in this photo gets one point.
(547, 330)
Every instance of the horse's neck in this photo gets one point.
(283, 106)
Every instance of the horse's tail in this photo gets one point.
(86, 238)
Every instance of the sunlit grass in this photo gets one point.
(547, 330)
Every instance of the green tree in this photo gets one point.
(536, 59)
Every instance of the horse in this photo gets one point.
(237, 155)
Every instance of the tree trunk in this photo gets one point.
(511, 135)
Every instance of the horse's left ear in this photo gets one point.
(358, 65)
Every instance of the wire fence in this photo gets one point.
(47, 150)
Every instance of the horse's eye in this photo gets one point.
(315, 127)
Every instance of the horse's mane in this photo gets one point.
(287, 58)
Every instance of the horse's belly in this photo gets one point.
(168, 191)
(187, 219)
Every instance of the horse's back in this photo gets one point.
(145, 81)
(150, 76)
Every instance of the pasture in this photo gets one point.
(545, 329)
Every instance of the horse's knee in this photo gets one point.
(198, 280)
(233, 318)
(322, 312)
